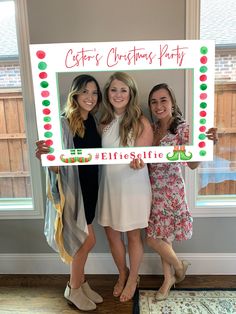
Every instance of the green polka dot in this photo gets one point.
(42, 65)
(203, 86)
(202, 136)
(203, 69)
(46, 102)
(202, 121)
(203, 105)
(204, 50)
(48, 134)
(46, 119)
(202, 153)
(44, 84)
(51, 150)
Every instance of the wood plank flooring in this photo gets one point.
(43, 294)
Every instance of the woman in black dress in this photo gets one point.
(79, 130)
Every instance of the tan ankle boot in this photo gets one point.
(79, 299)
(90, 293)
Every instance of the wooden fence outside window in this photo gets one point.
(14, 164)
(222, 172)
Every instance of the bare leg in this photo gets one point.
(77, 266)
(118, 252)
(135, 248)
(169, 281)
(167, 253)
(167, 271)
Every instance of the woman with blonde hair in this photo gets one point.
(124, 197)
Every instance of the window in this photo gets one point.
(16, 136)
(215, 181)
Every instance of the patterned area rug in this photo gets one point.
(187, 301)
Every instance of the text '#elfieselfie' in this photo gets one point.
(132, 155)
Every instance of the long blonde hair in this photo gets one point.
(72, 108)
(131, 122)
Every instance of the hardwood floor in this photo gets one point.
(34, 294)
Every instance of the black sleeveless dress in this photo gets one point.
(88, 174)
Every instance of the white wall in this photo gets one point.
(22, 243)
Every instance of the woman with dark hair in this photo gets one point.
(170, 218)
(73, 190)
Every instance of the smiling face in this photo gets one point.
(87, 98)
(161, 104)
(119, 96)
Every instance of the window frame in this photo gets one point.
(209, 209)
(25, 209)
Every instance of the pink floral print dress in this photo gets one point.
(170, 218)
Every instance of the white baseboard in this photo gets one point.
(98, 263)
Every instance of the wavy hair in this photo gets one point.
(176, 112)
(131, 124)
(72, 108)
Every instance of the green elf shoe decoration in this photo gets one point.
(183, 155)
(175, 155)
(179, 152)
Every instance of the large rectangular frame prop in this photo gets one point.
(47, 60)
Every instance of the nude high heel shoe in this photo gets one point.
(163, 296)
(120, 284)
(185, 265)
(125, 297)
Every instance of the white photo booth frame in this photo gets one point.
(49, 59)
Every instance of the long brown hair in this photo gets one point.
(131, 122)
(176, 112)
(72, 108)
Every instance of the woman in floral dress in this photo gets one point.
(170, 218)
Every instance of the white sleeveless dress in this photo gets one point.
(124, 197)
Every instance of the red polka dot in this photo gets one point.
(203, 96)
(43, 75)
(47, 126)
(45, 93)
(202, 144)
(49, 142)
(40, 54)
(202, 128)
(202, 113)
(46, 111)
(203, 78)
(51, 157)
(203, 60)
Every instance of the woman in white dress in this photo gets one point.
(124, 194)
